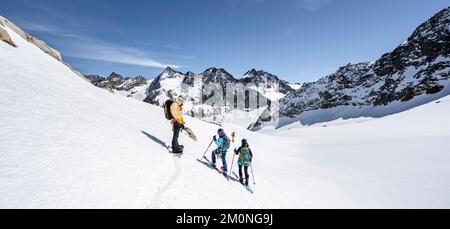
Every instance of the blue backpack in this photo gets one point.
(226, 143)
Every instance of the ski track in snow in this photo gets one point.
(175, 171)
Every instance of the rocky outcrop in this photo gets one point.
(44, 47)
(418, 67)
(4, 36)
(40, 44)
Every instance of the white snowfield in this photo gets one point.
(67, 144)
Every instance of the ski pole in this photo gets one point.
(253, 176)
(232, 163)
(207, 150)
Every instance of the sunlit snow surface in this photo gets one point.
(67, 144)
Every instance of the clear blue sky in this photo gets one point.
(298, 40)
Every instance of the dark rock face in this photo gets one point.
(95, 79)
(4, 36)
(419, 66)
(217, 75)
(117, 82)
(189, 79)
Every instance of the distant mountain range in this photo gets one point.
(414, 73)
(198, 89)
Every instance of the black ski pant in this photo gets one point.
(176, 135)
(245, 171)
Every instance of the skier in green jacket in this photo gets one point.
(244, 160)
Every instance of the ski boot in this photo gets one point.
(179, 151)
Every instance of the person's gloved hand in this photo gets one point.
(182, 125)
(215, 138)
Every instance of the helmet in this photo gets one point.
(244, 142)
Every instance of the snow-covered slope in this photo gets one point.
(67, 144)
(399, 161)
(296, 86)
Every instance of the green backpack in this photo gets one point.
(244, 157)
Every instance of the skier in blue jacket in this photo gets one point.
(223, 144)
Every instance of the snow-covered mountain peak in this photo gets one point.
(216, 71)
(433, 28)
(259, 75)
(264, 79)
(253, 72)
(170, 73)
(189, 73)
(114, 77)
(217, 75)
